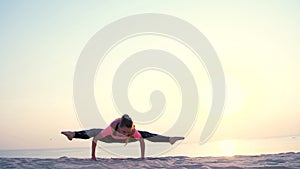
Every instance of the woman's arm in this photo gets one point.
(142, 145)
(94, 145)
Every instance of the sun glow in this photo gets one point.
(227, 148)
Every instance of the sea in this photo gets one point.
(217, 148)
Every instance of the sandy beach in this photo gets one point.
(283, 161)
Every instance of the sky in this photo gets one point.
(257, 43)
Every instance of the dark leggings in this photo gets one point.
(86, 134)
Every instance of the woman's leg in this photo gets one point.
(159, 138)
(87, 134)
(83, 134)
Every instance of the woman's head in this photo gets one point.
(126, 121)
(126, 125)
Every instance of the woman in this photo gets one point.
(121, 130)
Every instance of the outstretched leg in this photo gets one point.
(159, 138)
(87, 134)
(84, 134)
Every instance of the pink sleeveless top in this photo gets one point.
(109, 131)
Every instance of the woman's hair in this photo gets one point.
(126, 121)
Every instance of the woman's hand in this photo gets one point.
(94, 145)
(94, 158)
(142, 145)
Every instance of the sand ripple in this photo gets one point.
(280, 161)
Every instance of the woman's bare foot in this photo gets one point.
(172, 140)
(69, 134)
